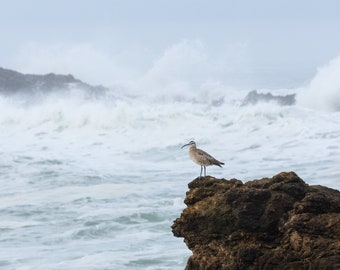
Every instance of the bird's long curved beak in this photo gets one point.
(185, 145)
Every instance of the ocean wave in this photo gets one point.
(323, 92)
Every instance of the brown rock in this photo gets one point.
(272, 223)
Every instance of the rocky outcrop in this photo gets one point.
(13, 82)
(272, 223)
(255, 97)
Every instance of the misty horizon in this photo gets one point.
(245, 44)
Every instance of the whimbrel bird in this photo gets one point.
(201, 158)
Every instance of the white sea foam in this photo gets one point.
(323, 92)
(133, 132)
(95, 183)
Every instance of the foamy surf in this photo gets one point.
(95, 183)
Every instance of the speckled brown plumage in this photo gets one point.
(201, 157)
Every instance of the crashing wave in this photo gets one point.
(323, 92)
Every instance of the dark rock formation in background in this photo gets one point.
(272, 223)
(13, 82)
(254, 97)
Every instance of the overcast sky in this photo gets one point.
(104, 41)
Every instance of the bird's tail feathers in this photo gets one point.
(219, 163)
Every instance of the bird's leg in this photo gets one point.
(201, 172)
(205, 174)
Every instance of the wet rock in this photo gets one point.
(255, 97)
(272, 223)
(13, 82)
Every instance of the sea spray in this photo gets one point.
(95, 182)
(323, 92)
